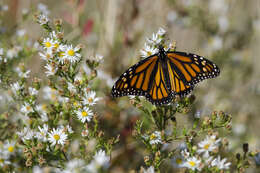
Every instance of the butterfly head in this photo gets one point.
(162, 52)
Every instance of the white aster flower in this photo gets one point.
(149, 170)
(71, 54)
(155, 138)
(71, 87)
(50, 70)
(207, 145)
(161, 32)
(26, 108)
(178, 161)
(100, 160)
(84, 114)
(42, 110)
(220, 164)
(15, 87)
(155, 40)
(193, 163)
(13, 52)
(90, 98)
(43, 8)
(33, 91)
(43, 132)
(57, 136)
(26, 134)
(148, 51)
(42, 19)
(9, 148)
(47, 55)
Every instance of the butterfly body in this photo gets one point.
(162, 76)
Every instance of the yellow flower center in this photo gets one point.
(28, 108)
(44, 107)
(1, 160)
(192, 163)
(178, 161)
(71, 52)
(10, 149)
(56, 137)
(48, 56)
(75, 103)
(153, 136)
(90, 100)
(56, 45)
(47, 44)
(84, 113)
(61, 54)
(206, 146)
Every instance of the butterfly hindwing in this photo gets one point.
(191, 68)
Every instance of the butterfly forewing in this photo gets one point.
(192, 68)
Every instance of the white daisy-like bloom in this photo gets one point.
(26, 108)
(161, 32)
(26, 134)
(84, 114)
(69, 129)
(99, 58)
(33, 91)
(15, 87)
(155, 138)
(42, 110)
(71, 87)
(43, 132)
(220, 164)
(149, 170)
(42, 19)
(90, 98)
(155, 40)
(100, 160)
(193, 163)
(178, 161)
(71, 54)
(3, 158)
(57, 136)
(47, 55)
(50, 70)
(48, 44)
(43, 8)
(208, 145)
(13, 52)
(9, 148)
(148, 51)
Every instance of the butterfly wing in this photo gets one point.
(146, 78)
(191, 68)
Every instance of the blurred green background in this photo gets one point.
(225, 31)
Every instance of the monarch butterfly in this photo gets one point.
(162, 76)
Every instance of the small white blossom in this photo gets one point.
(69, 129)
(26, 134)
(43, 132)
(207, 145)
(48, 44)
(155, 40)
(42, 19)
(71, 87)
(15, 87)
(84, 114)
(90, 98)
(161, 32)
(22, 74)
(178, 161)
(148, 50)
(26, 108)
(43, 8)
(47, 55)
(50, 70)
(193, 163)
(154, 138)
(9, 148)
(220, 164)
(71, 53)
(100, 160)
(57, 136)
(33, 91)
(42, 110)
